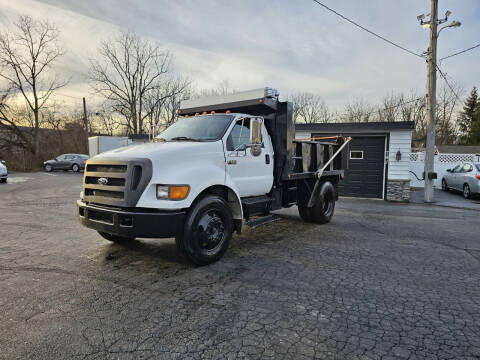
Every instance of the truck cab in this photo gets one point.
(225, 161)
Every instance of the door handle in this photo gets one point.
(232, 162)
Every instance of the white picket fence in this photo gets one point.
(441, 164)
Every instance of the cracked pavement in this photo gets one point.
(381, 281)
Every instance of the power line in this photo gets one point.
(367, 30)
(460, 52)
(444, 76)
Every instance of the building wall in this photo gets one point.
(399, 140)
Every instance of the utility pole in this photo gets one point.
(431, 104)
(85, 120)
(429, 172)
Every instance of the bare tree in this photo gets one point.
(447, 104)
(109, 123)
(163, 103)
(222, 88)
(129, 69)
(310, 108)
(27, 57)
(358, 111)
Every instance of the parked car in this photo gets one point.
(464, 178)
(3, 172)
(65, 162)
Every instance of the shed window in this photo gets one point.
(356, 155)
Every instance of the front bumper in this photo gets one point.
(146, 223)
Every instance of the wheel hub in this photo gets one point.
(210, 230)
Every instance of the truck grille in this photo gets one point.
(116, 183)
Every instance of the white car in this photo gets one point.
(3, 172)
(464, 178)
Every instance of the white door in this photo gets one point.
(253, 175)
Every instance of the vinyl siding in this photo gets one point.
(399, 140)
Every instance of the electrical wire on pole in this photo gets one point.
(444, 77)
(460, 52)
(367, 30)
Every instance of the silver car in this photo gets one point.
(464, 178)
(3, 172)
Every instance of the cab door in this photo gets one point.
(252, 173)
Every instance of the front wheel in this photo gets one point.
(48, 168)
(208, 230)
(115, 238)
(322, 211)
(466, 191)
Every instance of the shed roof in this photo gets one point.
(458, 149)
(356, 127)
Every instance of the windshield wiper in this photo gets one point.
(184, 138)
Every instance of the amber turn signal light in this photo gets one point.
(178, 192)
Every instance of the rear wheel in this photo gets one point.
(208, 230)
(75, 168)
(4, 180)
(322, 211)
(115, 238)
(466, 191)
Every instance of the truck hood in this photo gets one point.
(161, 149)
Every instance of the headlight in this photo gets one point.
(172, 192)
(162, 192)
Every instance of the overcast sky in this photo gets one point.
(290, 45)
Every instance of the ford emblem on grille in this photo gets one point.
(102, 181)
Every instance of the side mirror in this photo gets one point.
(256, 136)
(2, 161)
(449, 170)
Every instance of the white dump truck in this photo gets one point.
(228, 161)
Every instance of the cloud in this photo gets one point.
(289, 45)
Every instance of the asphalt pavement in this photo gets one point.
(451, 198)
(381, 281)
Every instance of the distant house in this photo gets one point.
(376, 162)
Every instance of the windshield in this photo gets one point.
(477, 166)
(197, 128)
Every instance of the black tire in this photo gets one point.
(75, 168)
(48, 168)
(4, 180)
(208, 230)
(444, 185)
(115, 238)
(322, 211)
(466, 191)
(304, 213)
